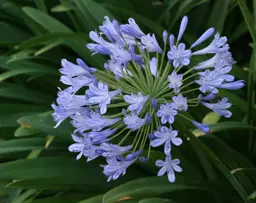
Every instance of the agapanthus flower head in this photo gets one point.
(142, 90)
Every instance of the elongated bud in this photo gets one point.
(165, 35)
(183, 26)
(208, 33)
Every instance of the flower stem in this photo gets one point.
(192, 90)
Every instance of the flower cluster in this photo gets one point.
(139, 93)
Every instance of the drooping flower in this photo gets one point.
(112, 151)
(166, 136)
(169, 166)
(220, 107)
(139, 94)
(115, 167)
(83, 121)
(217, 45)
(84, 146)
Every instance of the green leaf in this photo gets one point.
(96, 199)
(10, 113)
(156, 200)
(155, 186)
(248, 18)
(24, 94)
(12, 73)
(97, 11)
(24, 131)
(59, 173)
(252, 196)
(218, 15)
(50, 37)
(228, 157)
(12, 34)
(240, 30)
(24, 196)
(54, 26)
(20, 145)
(44, 123)
(62, 8)
(63, 198)
(217, 162)
(41, 18)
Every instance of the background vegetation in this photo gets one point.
(35, 165)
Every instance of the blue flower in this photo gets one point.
(217, 45)
(180, 103)
(167, 113)
(209, 81)
(69, 69)
(117, 68)
(150, 43)
(137, 102)
(220, 107)
(218, 61)
(112, 151)
(153, 66)
(179, 56)
(115, 167)
(169, 166)
(76, 82)
(60, 113)
(100, 95)
(111, 31)
(132, 29)
(84, 146)
(81, 63)
(101, 136)
(68, 100)
(175, 81)
(201, 126)
(133, 121)
(166, 136)
(91, 121)
(120, 55)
